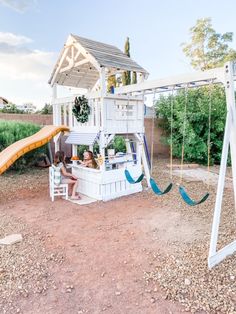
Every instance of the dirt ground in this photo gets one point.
(101, 257)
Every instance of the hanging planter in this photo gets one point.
(81, 109)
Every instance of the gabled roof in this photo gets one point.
(109, 56)
(81, 59)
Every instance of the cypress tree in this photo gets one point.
(134, 77)
(126, 76)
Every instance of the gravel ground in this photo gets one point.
(183, 274)
(25, 267)
(180, 269)
(31, 180)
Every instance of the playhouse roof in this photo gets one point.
(81, 60)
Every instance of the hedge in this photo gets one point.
(198, 100)
(12, 131)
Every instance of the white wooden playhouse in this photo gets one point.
(87, 64)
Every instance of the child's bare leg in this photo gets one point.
(70, 188)
(74, 189)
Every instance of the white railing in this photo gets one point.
(62, 113)
(113, 113)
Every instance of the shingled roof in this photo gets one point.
(81, 67)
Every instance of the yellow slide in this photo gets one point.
(9, 155)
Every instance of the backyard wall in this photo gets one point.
(42, 119)
(159, 149)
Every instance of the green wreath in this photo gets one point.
(81, 109)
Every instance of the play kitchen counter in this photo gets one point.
(105, 185)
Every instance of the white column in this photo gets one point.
(74, 150)
(103, 93)
(55, 116)
(102, 150)
(229, 142)
(54, 97)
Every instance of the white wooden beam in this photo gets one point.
(59, 65)
(88, 56)
(74, 65)
(215, 74)
(215, 257)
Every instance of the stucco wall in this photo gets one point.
(159, 149)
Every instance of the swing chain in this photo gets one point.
(184, 131)
(171, 132)
(153, 121)
(209, 133)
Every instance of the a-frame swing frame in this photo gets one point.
(229, 144)
(225, 75)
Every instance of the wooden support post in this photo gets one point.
(215, 257)
(145, 165)
(74, 150)
(141, 156)
(54, 107)
(102, 150)
(55, 116)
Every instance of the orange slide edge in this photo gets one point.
(9, 155)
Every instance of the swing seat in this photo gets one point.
(188, 200)
(131, 180)
(156, 189)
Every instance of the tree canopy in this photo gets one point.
(208, 49)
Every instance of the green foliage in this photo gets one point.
(81, 109)
(11, 108)
(196, 123)
(208, 49)
(126, 76)
(134, 77)
(12, 131)
(118, 144)
(47, 109)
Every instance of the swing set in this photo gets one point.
(154, 186)
(225, 75)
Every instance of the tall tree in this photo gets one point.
(134, 77)
(47, 109)
(126, 76)
(208, 49)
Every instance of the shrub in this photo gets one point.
(196, 123)
(12, 131)
(47, 109)
(118, 144)
(11, 108)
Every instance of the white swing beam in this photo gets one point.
(195, 79)
(225, 75)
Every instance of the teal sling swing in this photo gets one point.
(190, 201)
(130, 179)
(153, 184)
(157, 190)
(186, 198)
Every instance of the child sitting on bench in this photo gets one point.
(66, 177)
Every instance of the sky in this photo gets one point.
(33, 32)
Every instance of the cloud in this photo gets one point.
(24, 72)
(17, 61)
(18, 5)
(13, 39)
